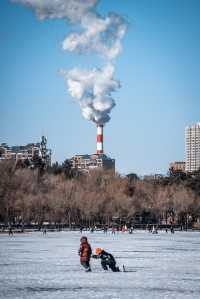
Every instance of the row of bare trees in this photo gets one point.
(98, 198)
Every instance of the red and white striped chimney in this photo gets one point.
(99, 139)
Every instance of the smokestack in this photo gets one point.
(99, 139)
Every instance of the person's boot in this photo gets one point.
(88, 270)
(117, 269)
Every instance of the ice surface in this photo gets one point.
(33, 265)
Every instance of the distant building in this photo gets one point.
(153, 177)
(21, 152)
(192, 147)
(28, 152)
(177, 166)
(89, 162)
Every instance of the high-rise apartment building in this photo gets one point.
(192, 147)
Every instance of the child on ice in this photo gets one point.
(85, 253)
(107, 260)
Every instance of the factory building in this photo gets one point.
(94, 161)
(28, 152)
(89, 162)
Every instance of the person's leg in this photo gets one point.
(104, 266)
(114, 268)
(86, 265)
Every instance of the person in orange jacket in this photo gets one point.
(85, 253)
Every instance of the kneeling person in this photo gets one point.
(107, 260)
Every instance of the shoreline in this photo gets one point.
(6, 232)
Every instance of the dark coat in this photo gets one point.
(106, 258)
(85, 252)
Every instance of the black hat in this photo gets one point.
(83, 238)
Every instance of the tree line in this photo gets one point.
(60, 195)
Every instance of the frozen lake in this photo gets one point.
(33, 266)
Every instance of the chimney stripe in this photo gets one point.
(99, 140)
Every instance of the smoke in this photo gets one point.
(96, 34)
(73, 10)
(100, 35)
(92, 89)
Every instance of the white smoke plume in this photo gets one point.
(100, 35)
(73, 10)
(90, 88)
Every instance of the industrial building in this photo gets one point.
(28, 152)
(88, 162)
(192, 147)
(94, 161)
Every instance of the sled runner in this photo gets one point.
(127, 269)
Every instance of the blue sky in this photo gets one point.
(158, 69)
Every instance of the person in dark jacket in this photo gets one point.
(10, 231)
(85, 253)
(107, 260)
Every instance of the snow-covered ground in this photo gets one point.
(34, 266)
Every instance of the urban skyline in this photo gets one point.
(99, 159)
